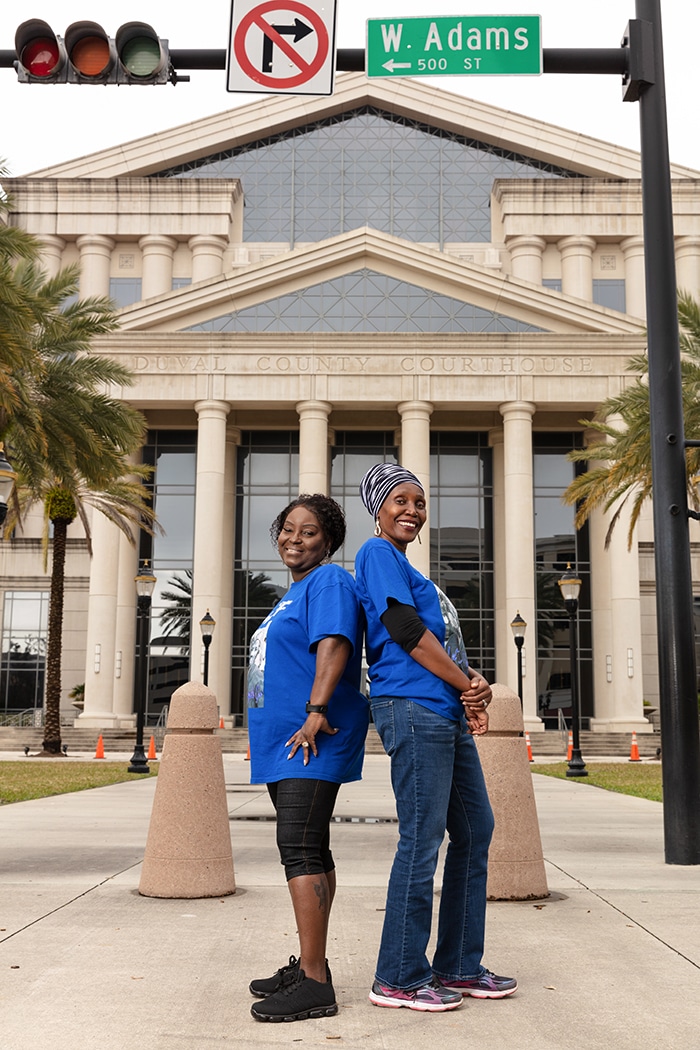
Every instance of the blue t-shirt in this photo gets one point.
(383, 572)
(281, 673)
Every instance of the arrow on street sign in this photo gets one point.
(297, 31)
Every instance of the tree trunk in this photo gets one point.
(52, 703)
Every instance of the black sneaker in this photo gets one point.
(298, 1000)
(269, 985)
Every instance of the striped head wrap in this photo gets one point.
(380, 480)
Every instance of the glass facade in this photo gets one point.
(557, 545)
(364, 301)
(124, 290)
(24, 637)
(461, 537)
(267, 479)
(367, 167)
(172, 454)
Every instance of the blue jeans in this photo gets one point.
(439, 786)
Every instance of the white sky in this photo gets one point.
(42, 125)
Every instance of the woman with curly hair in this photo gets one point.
(307, 723)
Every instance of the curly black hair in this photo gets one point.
(330, 515)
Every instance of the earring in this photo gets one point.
(420, 541)
(377, 528)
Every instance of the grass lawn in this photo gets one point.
(641, 780)
(38, 777)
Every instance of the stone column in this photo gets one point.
(95, 262)
(207, 583)
(635, 288)
(415, 456)
(102, 622)
(577, 266)
(526, 257)
(313, 445)
(207, 256)
(519, 548)
(125, 633)
(688, 265)
(51, 254)
(156, 265)
(617, 625)
(223, 639)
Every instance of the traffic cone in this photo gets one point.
(152, 749)
(529, 748)
(570, 748)
(100, 749)
(634, 750)
(221, 723)
(247, 757)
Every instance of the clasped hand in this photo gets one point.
(305, 738)
(475, 701)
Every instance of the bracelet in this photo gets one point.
(317, 709)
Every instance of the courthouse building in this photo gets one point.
(308, 286)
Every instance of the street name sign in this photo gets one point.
(456, 46)
(284, 47)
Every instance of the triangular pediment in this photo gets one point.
(523, 306)
(412, 99)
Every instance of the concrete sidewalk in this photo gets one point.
(611, 958)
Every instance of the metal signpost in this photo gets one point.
(456, 46)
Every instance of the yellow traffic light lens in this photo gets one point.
(40, 57)
(141, 56)
(90, 56)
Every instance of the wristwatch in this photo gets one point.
(317, 709)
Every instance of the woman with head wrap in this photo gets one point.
(427, 704)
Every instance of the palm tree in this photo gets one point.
(71, 443)
(624, 448)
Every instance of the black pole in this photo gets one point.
(519, 645)
(206, 638)
(674, 593)
(139, 763)
(577, 767)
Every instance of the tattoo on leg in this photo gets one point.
(321, 891)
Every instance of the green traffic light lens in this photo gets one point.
(141, 56)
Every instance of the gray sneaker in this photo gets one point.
(429, 998)
(486, 986)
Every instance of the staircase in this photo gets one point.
(235, 741)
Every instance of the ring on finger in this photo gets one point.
(304, 744)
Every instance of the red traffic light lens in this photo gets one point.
(40, 57)
(91, 56)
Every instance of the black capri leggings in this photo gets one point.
(304, 809)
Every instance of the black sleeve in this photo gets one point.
(404, 625)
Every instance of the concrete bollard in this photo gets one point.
(188, 850)
(516, 864)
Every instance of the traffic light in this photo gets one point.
(87, 55)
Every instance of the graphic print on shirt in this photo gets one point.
(258, 654)
(454, 642)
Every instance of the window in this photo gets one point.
(172, 485)
(558, 544)
(461, 537)
(610, 294)
(267, 480)
(125, 290)
(24, 636)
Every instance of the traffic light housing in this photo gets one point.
(87, 55)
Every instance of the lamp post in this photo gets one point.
(207, 625)
(145, 582)
(570, 587)
(518, 626)
(8, 476)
